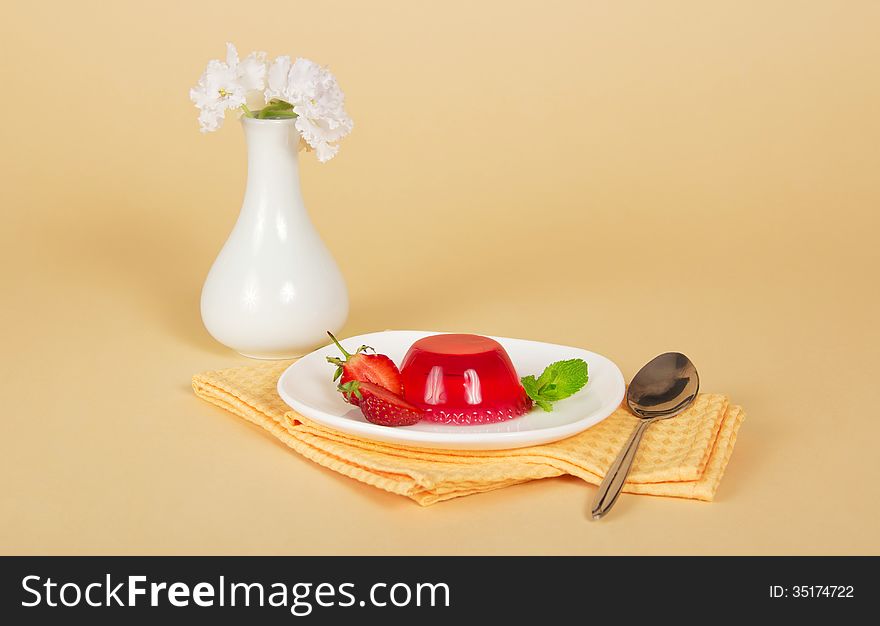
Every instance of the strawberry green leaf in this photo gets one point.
(351, 387)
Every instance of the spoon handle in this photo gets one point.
(611, 485)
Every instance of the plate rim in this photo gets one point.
(473, 441)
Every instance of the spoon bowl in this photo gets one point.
(664, 387)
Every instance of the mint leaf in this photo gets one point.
(530, 385)
(563, 379)
(547, 406)
(558, 381)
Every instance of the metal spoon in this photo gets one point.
(664, 387)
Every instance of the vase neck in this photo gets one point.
(273, 168)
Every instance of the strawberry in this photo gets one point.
(366, 368)
(379, 405)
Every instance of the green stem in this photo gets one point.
(247, 111)
(338, 345)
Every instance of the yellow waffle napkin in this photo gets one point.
(683, 457)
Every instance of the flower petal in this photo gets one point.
(252, 71)
(231, 55)
(277, 78)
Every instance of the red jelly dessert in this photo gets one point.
(462, 379)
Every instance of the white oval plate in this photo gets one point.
(306, 386)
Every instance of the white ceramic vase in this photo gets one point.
(274, 289)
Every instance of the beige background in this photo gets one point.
(628, 177)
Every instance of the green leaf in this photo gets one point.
(276, 109)
(530, 385)
(349, 388)
(558, 381)
(279, 104)
(547, 406)
(563, 379)
(276, 114)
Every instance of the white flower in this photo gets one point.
(317, 101)
(277, 79)
(251, 72)
(311, 91)
(225, 86)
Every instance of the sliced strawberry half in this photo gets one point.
(366, 368)
(379, 405)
